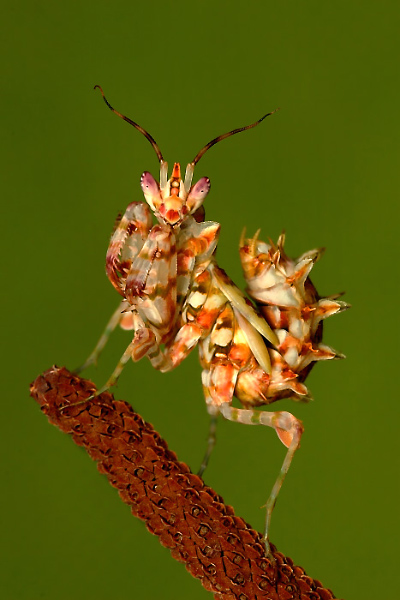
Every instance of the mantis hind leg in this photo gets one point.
(211, 441)
(289, 430)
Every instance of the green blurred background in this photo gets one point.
(325, 169)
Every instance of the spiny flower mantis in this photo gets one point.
(175, 297)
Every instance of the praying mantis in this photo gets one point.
(174, 297)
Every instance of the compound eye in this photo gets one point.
(198, 192)
(149, 184)
(150, 188)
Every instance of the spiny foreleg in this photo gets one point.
(200, 312)
(127, 239)
(198, 302)
(150, 290)
(150, 285)
(289, 430)
(126, 242)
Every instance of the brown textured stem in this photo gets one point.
(191, 519)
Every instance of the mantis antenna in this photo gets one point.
(136, 125)
(226, 135)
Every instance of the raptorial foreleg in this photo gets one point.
(289, 430)
(204, 304)
(126, 242)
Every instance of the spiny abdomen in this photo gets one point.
(289, 302)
